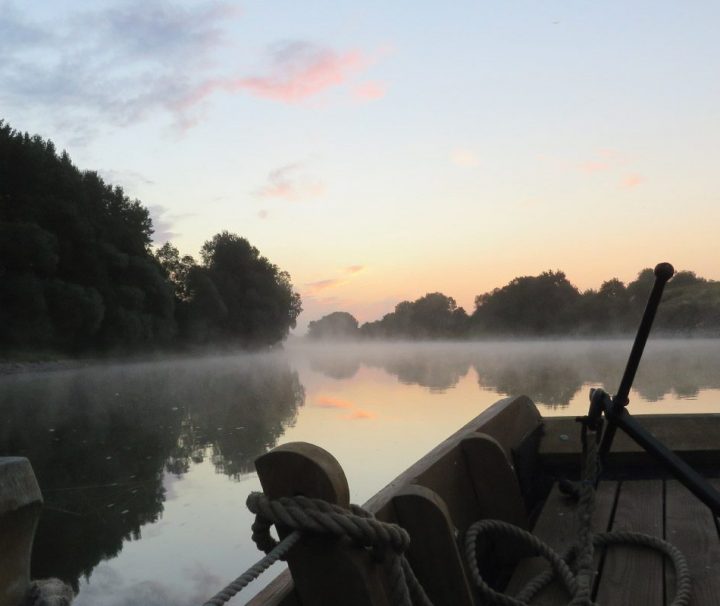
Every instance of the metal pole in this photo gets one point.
(663, 272)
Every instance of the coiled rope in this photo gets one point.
(388, 543)
(578, 583)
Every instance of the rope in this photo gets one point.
(388, 542)
(277, 553)
(300, 514)
(579, 583)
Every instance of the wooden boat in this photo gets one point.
(505, 464)
(509, 464)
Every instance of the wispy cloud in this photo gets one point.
(299, 70)
(370, 91)
(361, 414)
(113, 66)
(320, 285)
(291, 183)
(631, 181)
(120, 65)
(354, 269)
(330, 402)
(312, 289)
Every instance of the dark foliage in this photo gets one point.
(434, 316)
(77, 273)
(337, 325)
(549, 305)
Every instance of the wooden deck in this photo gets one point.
(634, 575)
(502, 465)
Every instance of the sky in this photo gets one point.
(378, 151)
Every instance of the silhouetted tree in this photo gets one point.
(74, 256)
(530, 305)
(259, 298)
(77, 272)
(433, 316)
(337, 325)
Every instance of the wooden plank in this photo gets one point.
(634, 575)
(509, 421)
(689, 525)
(433, 552)
(498, 496)
(493, 478)
(279, 592)
(557, 526)
(694, 437)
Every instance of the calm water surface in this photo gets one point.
(145, 467)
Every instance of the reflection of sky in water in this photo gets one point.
(146, 467)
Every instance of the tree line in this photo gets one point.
(546, 305)
(78, 273)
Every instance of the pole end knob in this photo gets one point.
(664, 271)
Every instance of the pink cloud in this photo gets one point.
(631, 181)
(263, 214)
(296, 72)
(329, 402)
(361, 414)
(370, 91)
(300, 70)
(324, 284)
(354, 269)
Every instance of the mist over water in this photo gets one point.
(145, 467)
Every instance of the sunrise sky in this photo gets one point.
(382, 150)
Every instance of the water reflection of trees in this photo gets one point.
(551, 373)
(101, 440)
(412, 365)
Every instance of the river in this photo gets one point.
(145, 467)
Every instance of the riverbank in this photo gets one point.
(37, 362)
(12, 367)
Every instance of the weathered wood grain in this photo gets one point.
(279, 592)
(689, 525)
(509, 421)
(634, 575)
(694, 437)
(493, 478)
(433, 553)
(557, 526)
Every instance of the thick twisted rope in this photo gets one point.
(388, 542)
(302, 514)
(276, 553)
(579, 583)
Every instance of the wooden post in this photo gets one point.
(326, 572)
(20, 503)
(433, 553)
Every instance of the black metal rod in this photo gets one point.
(679, 468)
(663, 272)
